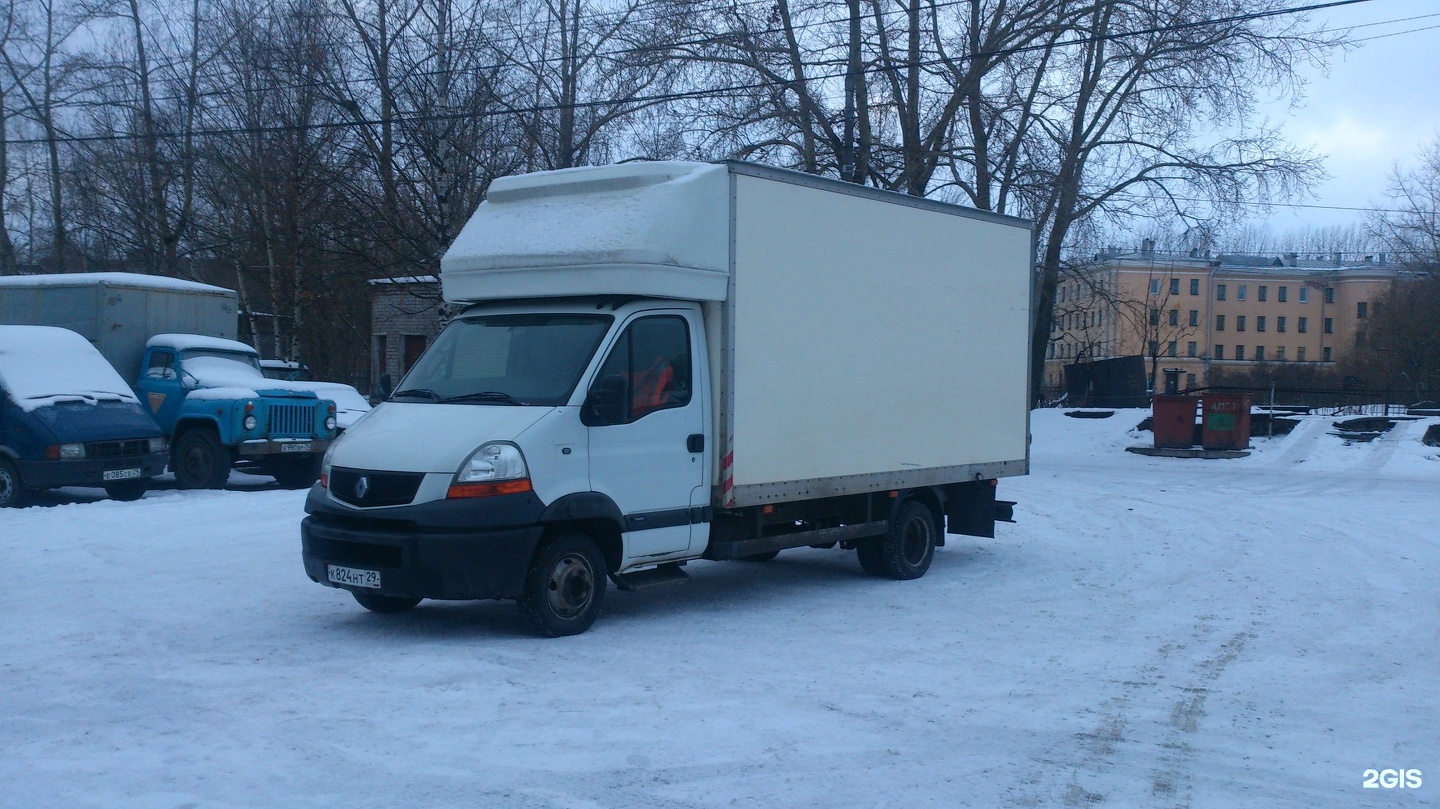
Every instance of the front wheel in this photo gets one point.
(201, 461)
(127, 490)
(565, 586)
(12, 488)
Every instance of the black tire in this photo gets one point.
(565, 586)
(872, 558)
(127, 490)
(200, 461)
(760, 557)
(295, 473)
(386, 604)
(908, 547)
(12, 488)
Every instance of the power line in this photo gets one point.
(652, 100)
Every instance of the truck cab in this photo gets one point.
(68, 419)
(209, 395)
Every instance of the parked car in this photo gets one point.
(68, 419)
(285, 369)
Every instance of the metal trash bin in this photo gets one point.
(1226, 421)
(1172, 420)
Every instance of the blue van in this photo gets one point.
(68, 419)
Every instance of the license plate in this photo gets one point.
(354, 577)
(294, 447)
(120, 474)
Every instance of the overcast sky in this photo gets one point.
(1379, 105)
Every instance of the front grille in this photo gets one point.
(292, 421)
(118, 449)
(380, 489)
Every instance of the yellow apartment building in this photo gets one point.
(1196, 313)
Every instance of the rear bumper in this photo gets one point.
(89, 471)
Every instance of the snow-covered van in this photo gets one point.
(174, 340)
(67, 419)
(654, 363)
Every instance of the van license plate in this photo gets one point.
(120, 474)
(353, 577)
(295, 447)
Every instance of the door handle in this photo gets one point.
(696, 442)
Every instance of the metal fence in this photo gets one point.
(1337, 401)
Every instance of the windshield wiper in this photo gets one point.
(416, 393)
(484, 396)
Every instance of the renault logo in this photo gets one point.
(362, 487)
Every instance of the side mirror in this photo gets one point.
(605, 404)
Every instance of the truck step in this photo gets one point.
(650, 577)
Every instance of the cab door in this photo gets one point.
(646, 419)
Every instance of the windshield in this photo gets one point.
(533, 359)
(222, 368)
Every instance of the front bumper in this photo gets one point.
(262, 446)
(49, 474)
(444, 550)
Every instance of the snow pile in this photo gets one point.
(42, 365)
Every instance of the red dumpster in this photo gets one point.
(1226, 422)
(1173, 421)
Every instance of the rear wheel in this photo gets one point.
(12, 488)
(127, 489)
(565, 586)
(906, 550)
(378, 603)
(201, 461)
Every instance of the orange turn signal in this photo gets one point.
(458, 490)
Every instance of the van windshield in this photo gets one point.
(527, 359)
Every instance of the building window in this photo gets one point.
(1329, 294)
(1154, 316)
(1362, 310)
(1190, 349)
(1280, 323)
(1302, 324)
(1260, 292)
(1239, 352)
(1304, 294)
(1174, 286)
(1325, 354)
(1194, 317)
(1280, 353)
(414, 347)
(1189, 381)
(1219, 292)
(1259, 323)
(1154, 286)
(1219, 323)
(1240, 292)
(1282, 294)
(1174, 317)
(1239, 323)
(1259, 353)
(1300, 354)
(1219, 352)
(1170, 350)
(1194, 286)
(1329, 325)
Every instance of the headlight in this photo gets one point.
(72, 451)
(325, 466)
(495, 468)
(330, 422)
(250, 422)
(159, 444)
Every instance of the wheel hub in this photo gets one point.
(571, 586)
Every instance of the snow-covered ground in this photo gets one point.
(1151, 632)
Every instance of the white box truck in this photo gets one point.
(663, 362)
